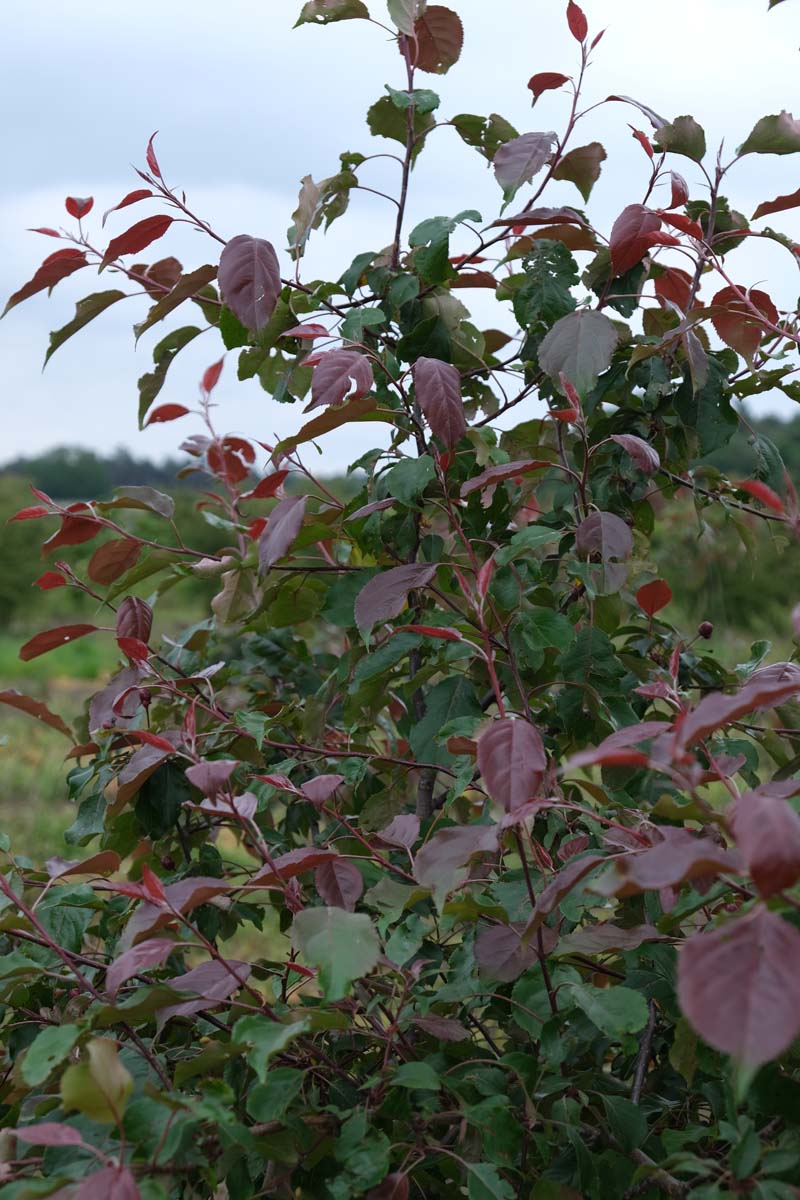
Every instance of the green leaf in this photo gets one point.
(232, 330)
(66, 913)
(626, 1121)
(163, 354)
(614, 1010)
(343, 945)
(779, 134)
(525, 541)
(545, 296)
(359, 319)
(579, 346)
(266, 1038)
(85, 311)
(417, 1075)
(100, 1087)
(404, 13)
(423, 99)
(486, 134)
(683, 136)
(408, 480)
(46, 1051)
(386, 120)
(486, 1183)
(270, 1100)
(582, 167)
(445, 701)
(186, 287)
(325, 12)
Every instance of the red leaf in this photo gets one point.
(684, 223)
(654, 596)
(569, 391)
(779, 204)
(546, 81)
(284, 525)
(632, 236)
(150, 155)
(211, 376)
(739, 986)
(438, 39)
(340, 375)
(47, 232)
(437, 386)
(137, 238)
(29, 514)
(578, 25)
(484, 577)
(113, 559)
(151, 739)
(567, 415)
(152, 884)
(680, 190)
(250, 280)
(50, 580)
(134, 619)
(385, 596)
(131, 198)
(55, 268)
(674, 285)
(51, 638)
(73, 531)
(339, 883)
(754, 487)
(433, 631)
(767, 831)
(512, 761)
(166, 412)
(736, 322)
(34, 708)
(396, 1186)
(78, 207)
(267, 487)
(642, 139)
(133, 649)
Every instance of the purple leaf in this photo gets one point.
(502, 954)
(438, 390)
(212, 982)
(320, 790)
(512, 761)
(517, 161)
(385, 595)
(739, 985)
(604, 535)
(340, 375)
(211, 777)
(48, 1133)
(284, 524)
(402, 831)
(339, 883)
(112, 1183)
(643, 454)
(767, 831)
(138, 958)
(440, 860)
(250, 280)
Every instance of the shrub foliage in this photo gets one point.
(433, 860)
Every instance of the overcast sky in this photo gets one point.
(246, 106)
